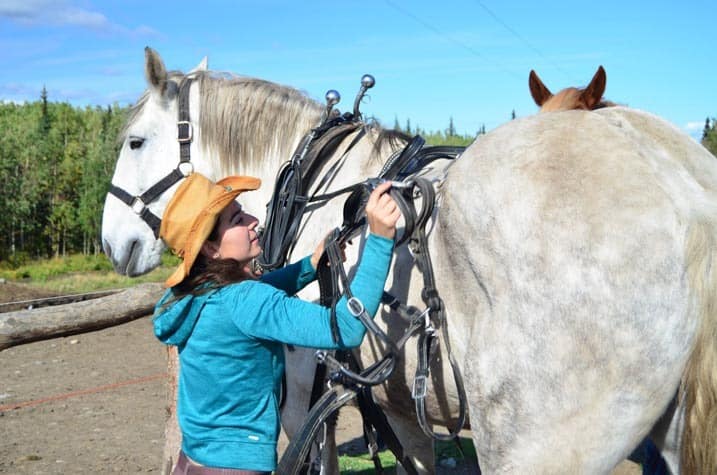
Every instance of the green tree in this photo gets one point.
(451, 131)
(56, 165)
(709, 136)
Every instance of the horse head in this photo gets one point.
(149, 152)
(570, 98)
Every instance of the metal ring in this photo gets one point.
(138, 205)
(185, 168)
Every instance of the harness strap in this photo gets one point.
(139, 203)
(436, 310)
(398, 162)
(375, 422)
(292, 461)
(288, 202)
(185, 132)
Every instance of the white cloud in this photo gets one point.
(78, 17)
(63, 13)
(694, 129)
(695, 126)
(39, 12)
(22, 9)
(14, 89)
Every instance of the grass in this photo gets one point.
(362, 464)
(78, 274)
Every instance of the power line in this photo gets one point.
(447, 37)
(521, 38)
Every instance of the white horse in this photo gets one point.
(574, 252)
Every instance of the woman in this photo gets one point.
(230, 326)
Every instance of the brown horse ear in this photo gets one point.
(538, 90)
(154, 71)
(593, 93)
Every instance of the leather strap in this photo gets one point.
(140, 203)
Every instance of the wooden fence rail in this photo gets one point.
(47, 301)
(25, 326)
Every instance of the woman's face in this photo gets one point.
(237, 237)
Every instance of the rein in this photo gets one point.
(185, 135)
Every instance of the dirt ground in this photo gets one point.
(96, 403)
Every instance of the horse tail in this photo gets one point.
(699, 381)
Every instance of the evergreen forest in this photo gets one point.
(56, 163)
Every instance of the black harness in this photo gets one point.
(347, 379)
(185, 135)
(290, 197)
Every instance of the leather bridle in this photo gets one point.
(185, 135)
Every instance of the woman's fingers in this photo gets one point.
(382, 212)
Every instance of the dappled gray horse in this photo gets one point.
(574, 252)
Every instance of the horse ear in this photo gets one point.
(538, 90)
(202, 66)
(593, 93)
(154, 71)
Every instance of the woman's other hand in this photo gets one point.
(320, 250)
(382, 212)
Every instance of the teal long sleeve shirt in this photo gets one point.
(231, 355)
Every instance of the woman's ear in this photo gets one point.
(210, 249)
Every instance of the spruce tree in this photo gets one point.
(451, 132)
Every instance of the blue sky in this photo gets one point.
(466, 59)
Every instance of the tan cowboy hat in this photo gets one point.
(192, 213)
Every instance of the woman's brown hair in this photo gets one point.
(207, 273)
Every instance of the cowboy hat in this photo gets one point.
(192, 213)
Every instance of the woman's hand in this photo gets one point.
(382, 213)
(320, 250)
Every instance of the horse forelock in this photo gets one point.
(567, 99)
(571, 99)
(246, 119)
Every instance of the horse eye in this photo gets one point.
(135, 143)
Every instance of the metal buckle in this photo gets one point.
(355, 306)
(138, 205)
(190, 131)
(419, 388)
(372, 449)
(187, 169)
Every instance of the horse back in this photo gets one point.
(585, 238)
